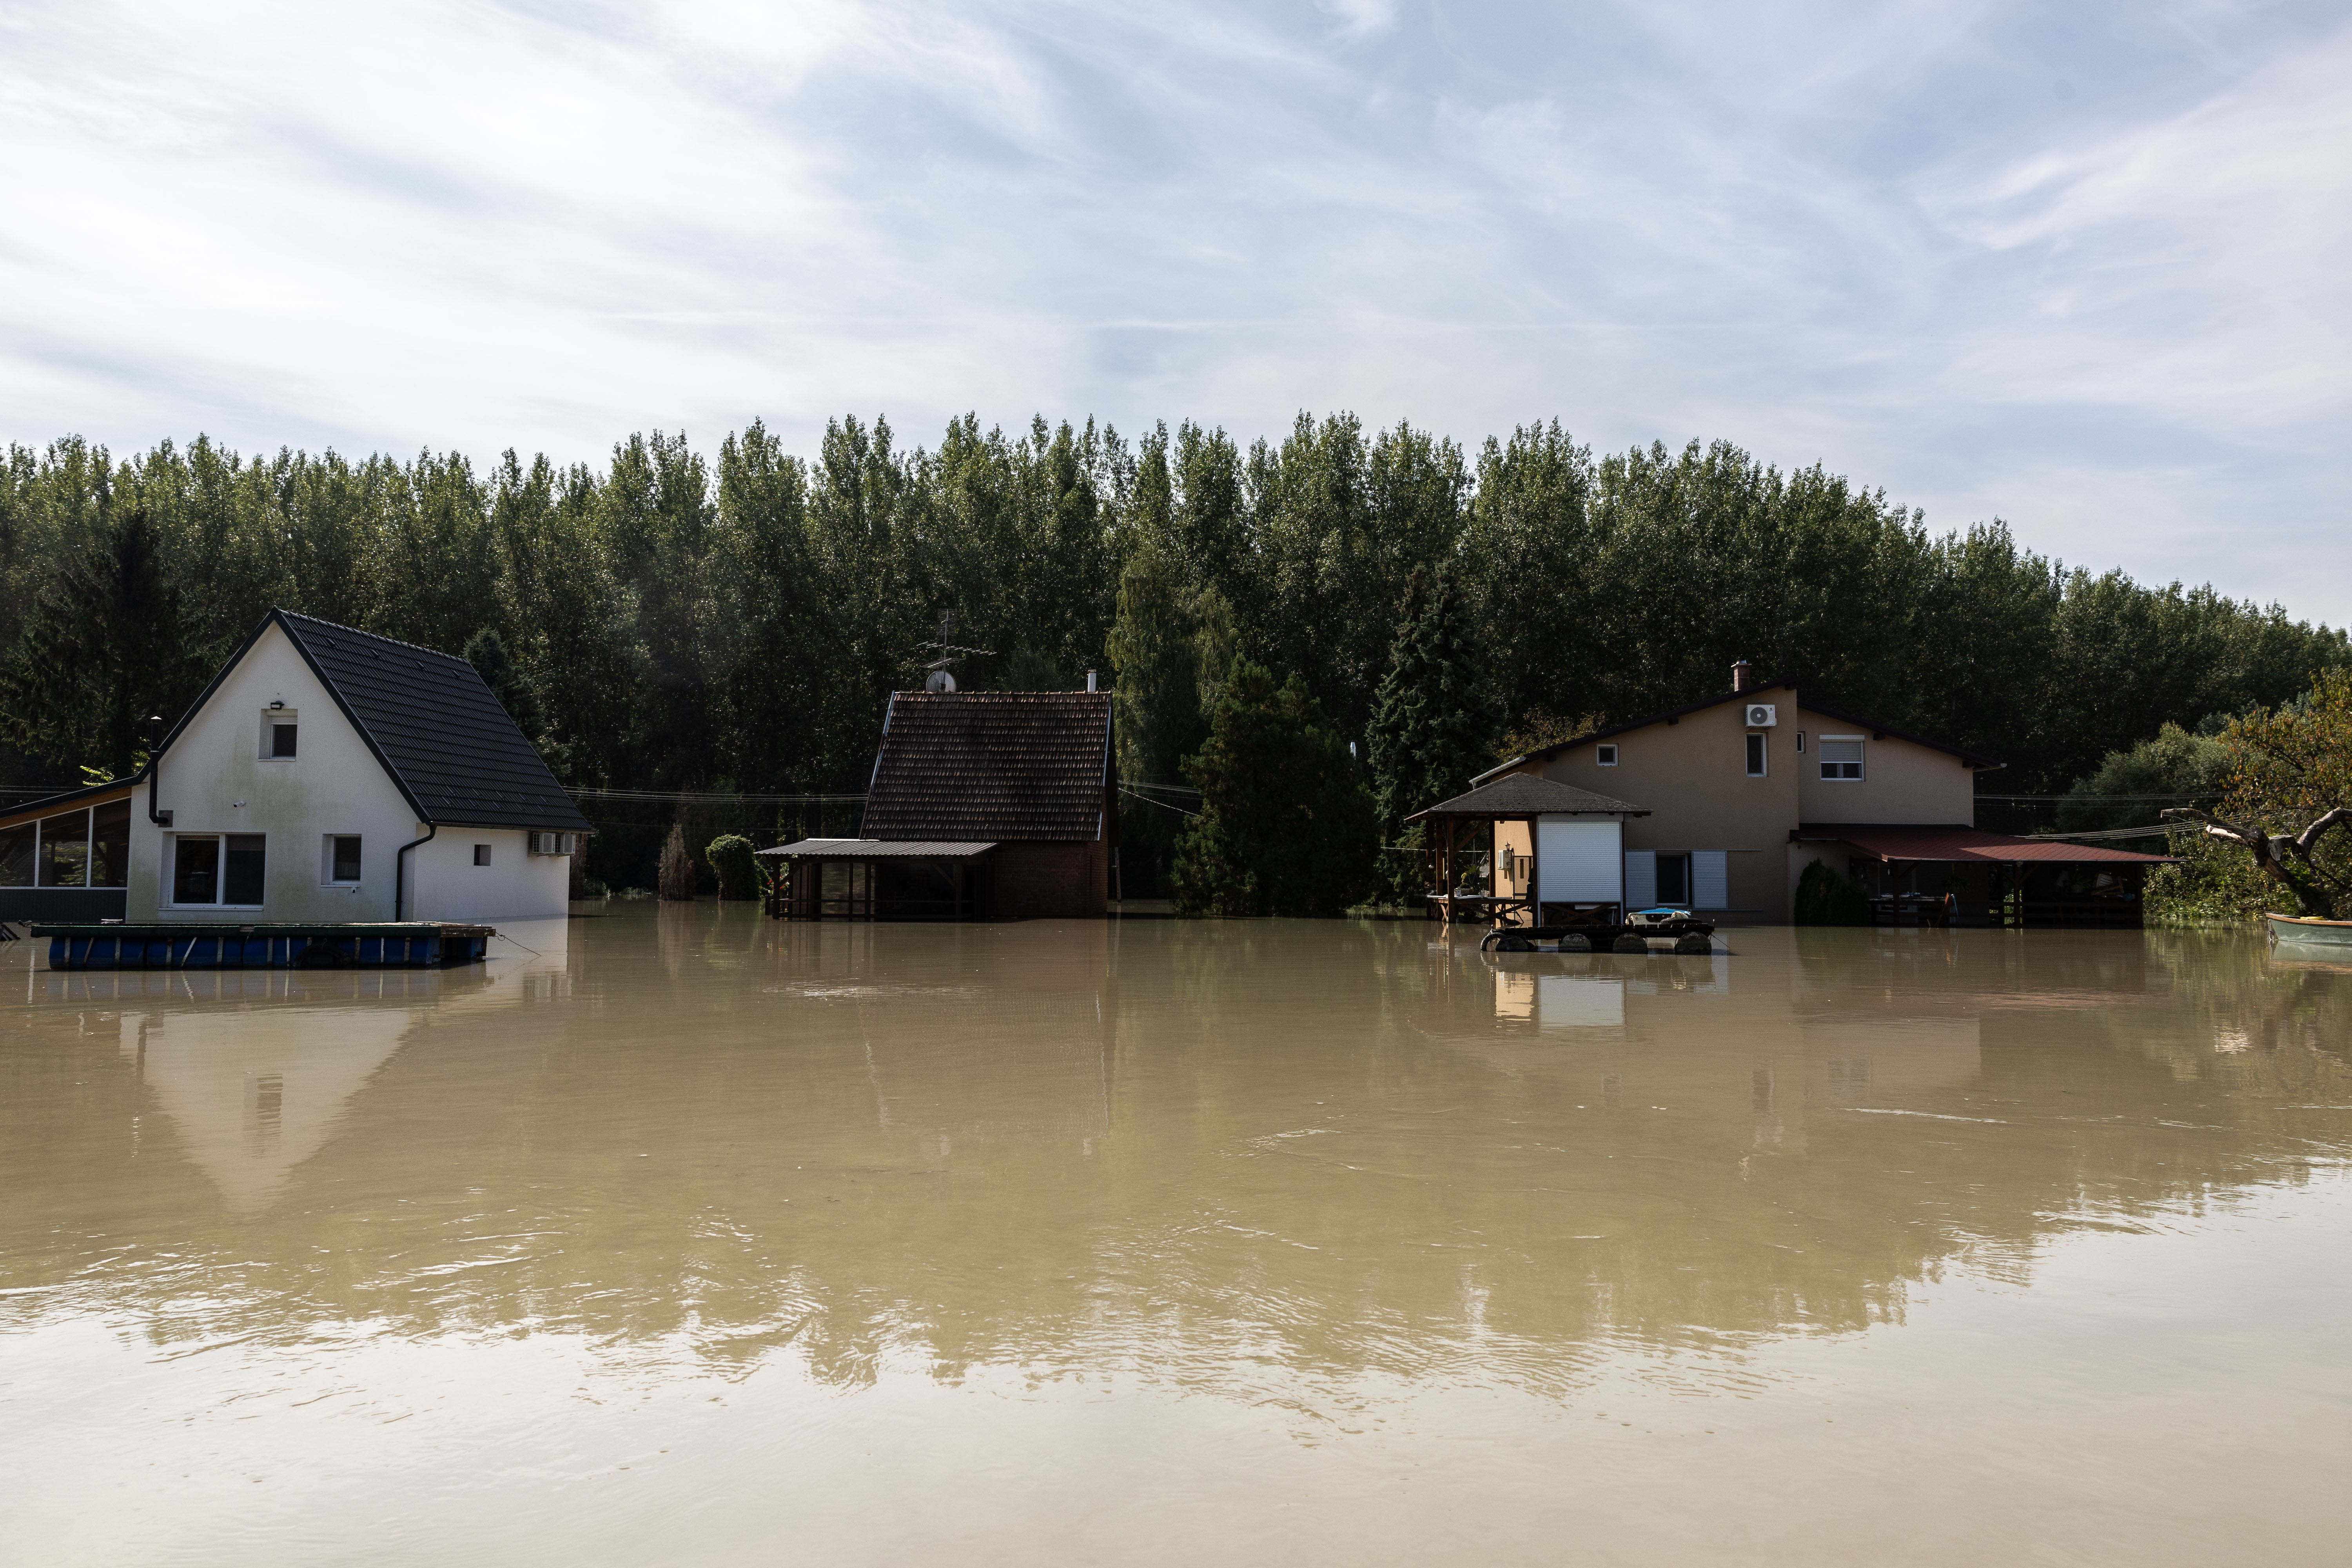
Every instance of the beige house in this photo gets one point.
(1737, 795)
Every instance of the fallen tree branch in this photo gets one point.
(2285, 858)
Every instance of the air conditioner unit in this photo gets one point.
(1762, 715)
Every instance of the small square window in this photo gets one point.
(1755, 756)
(281, 738)
(1606, 755)
(481, 854)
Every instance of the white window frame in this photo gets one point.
(171, 869)
(1859, 763)
(327, 878)
(1604, 756)
(270, 719)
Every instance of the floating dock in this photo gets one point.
(375, 944)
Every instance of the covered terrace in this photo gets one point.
(1965, 876)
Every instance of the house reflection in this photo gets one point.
(1089, 1145)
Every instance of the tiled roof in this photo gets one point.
(1531, 794)
(438, 729)
(439, 732)
(1890, 841)
(992, 765)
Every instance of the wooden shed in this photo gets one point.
(983, 805)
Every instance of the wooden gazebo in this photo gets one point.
(1529, 798)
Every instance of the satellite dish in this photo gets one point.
(938, 681)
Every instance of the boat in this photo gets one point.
(2310, 930)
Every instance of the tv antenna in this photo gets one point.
(938, 676)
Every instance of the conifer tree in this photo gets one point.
(103, 655)
(1286, 826)
(1431, 717)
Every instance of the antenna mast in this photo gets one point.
(936, 677)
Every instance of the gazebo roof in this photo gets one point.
(1530, 794)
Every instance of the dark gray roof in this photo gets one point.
(431, 721)
(877, 849)
(995, 765)
(1531, 794)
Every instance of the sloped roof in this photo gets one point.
(437, 729)
(995, 766)
(1531, 794)
(1544, 753)
(1899, 842)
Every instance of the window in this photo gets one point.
(1755, 756)
(1673, 879)
(85, 848)
(1841, 758)
(481, 854)
(229, 869)
(195, 870)
(1606, 755)
(279, 733)
(110, 845)
(65, 850)
(343, 858)
(1800, 742)
(241, 879)
(16, 855)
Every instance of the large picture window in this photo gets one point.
(229, 869)
(85, 848)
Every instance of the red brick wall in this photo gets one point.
(1053, 881)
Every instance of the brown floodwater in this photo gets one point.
(684, 1236)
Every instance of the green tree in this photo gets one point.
(1287, 827)
(517, 692)
(101, 656)
(2189, 769)
(1431, 719)
(2290, 768)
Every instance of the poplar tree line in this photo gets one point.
(734, 621)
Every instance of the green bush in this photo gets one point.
(730, 858)
(1826, 898)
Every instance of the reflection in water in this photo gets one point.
(1285, 1165)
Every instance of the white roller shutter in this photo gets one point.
(1641, 879)
(1575, 860)
(1710, 879)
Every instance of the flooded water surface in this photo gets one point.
(684, 1236)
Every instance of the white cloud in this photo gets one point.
(1880, 237)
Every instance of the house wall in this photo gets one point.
(1901, 782)
(333, 784)
(1693, 775)
(1066, 880)
(446, 884)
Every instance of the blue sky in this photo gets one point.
(2082, 268)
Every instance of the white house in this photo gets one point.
(325, 774)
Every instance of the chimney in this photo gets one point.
(1090, 681)
(1743, 676)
